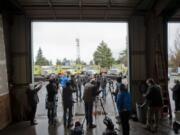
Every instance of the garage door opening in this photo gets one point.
(173, 60)
(79, 48)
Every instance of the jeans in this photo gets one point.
(51, 112)
(124, 115)
(33, 112)
(67, 108)
(153, 116)
(88, 113)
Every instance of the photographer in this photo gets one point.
(33, 99)
(154, 103)
(90, 92)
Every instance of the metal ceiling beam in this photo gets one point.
(11, 6)
(75, 13)
(109, 3)
(80, 9)
(171, 9)
(52, 8)
(143, 6)
(42, 4)
(80, 3)
(106, 13)
(17, 4)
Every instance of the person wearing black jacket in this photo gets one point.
(33, 99)
(155, 103)
(67, 104)
(176, 94)
(52, 91)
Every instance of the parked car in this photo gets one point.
(91, 72)
(114, 71)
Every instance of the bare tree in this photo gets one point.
(174, 60)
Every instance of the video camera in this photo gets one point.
(78, 128)
(108, 122)
(109, 127)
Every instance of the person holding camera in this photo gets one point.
(90, 92)
(33, 99)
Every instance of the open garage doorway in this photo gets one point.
(79, 48)
(173, 60)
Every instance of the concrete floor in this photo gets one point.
(43, 128)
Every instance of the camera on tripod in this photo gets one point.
(108, 122)
(109, 127)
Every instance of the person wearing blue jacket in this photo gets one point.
(124, 108)
(63, 80)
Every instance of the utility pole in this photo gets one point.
(78, 51)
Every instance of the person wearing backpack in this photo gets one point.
(154, 103)
(67, 100)
(124, 108)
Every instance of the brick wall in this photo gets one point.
(5, 113)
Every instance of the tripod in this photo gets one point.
(110, 130)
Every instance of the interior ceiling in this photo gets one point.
(176, 16)
(82, 9)
(88, 9)
(127, 3)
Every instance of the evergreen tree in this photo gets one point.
(91, 62)
(58, 62)
(103, 55)
(50, 63)
(40, 59)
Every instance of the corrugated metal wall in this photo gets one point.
(5, 111)
(19, 61)
(138, 72)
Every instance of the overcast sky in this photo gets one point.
(173, 29)
(57, 39)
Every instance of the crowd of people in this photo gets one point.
(87, 88)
